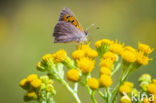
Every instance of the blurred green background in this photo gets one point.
(26, 28)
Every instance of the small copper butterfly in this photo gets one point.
(68, 28)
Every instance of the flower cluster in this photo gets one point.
(112, 55)
(147, 94)
(37, 88)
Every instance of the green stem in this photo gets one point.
(108, 95)
(91, 93)
(121, 80)
(74, 93)
(93, 97)
(101, 94)
(116, 69)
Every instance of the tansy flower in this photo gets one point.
(145, 48)
(32, 77)
(129, 48)
(109, 55)
(105, 70)
(85, 64)
(125, 99)
(128, 56)
(60, 56)
(154, 81)
(152, 88)
(23, 82)
(46, 57)
(91, 53)
(98, 43)
(106, 42)
(73, 75)
(130, 84)
(77, 54)
(36, 83)
(106, 80)
(31, 94)
(116, 48)
(106, 63)
(142, 59)
(93, 83)
(145, 78)
(146, 100)
(125, 88)
(83, 46)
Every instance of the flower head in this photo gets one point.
(110, 55)
(99, 43)
(125, 99)
(93, 83)
(151, 88)
(106, 80)
(130, 84)
(91, 53)
(128, 56)
(32, 77)
(105, 70)
(31, 94)
(46, 57)
(85, 64)
(106, 63)
(125, 88)
(142, 59)
(117, 48)
(129, 48)
(36, 83)
(77, 54)
(154, 81)
(73, 75)
(146, 100)
(23, 82)
(60, 56)
(145, 48)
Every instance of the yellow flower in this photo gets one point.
(31, 94)
(145, 48)
(152, 88)
(105, 70)
(73, 75)
(154, 81)
(106, 63)
(85, 64)
(130, 84)
(46, 57)
(98, 43)
(93, 83)
(32, 77)
(83, 46)
(128, 56)
(106, 80)
(91, 53)
(116, 48)
(77, 54)
(146, 100)
(109, 55)
(125, 88)
(106, 42)
(154, 99)
(60, 56)
(141, 59)
(23, 82)
(36, 83)
(129, 48)
(125, 99)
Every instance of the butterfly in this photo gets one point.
(68, 29)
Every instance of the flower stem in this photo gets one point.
(108, 95)
(121, 80)
(101, 94)
(116, 69)
(93, 98)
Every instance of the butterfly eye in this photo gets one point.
(72, 21)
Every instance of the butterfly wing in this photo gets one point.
(66, 32)
(65, 11)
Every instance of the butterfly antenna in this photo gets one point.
(89, 27)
